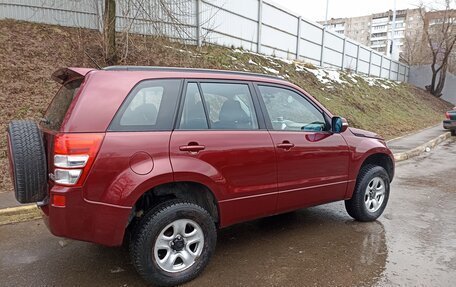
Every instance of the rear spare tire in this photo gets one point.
(28, 161)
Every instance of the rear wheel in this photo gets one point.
(371, 194)
(173, 243)
(453, 133)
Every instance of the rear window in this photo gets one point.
(56, 111)
(150, 106)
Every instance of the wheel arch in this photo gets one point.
(381, 159)
(191, 191)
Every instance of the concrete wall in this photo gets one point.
(420, 76)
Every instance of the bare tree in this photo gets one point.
(172, 19)
(109, 32)
(440, 34)
(415, 50)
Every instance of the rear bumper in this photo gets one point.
(84, 220)
(449, 124)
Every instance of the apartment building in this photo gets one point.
(375, 31)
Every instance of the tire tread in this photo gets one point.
(355, 206)
(140, 237)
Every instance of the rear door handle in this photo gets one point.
(192, 148)
(285, 145)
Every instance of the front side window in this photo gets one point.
(289, 110)
(149, 106)
(229, 106)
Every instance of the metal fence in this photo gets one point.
(255, 25)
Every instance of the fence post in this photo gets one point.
(370, 63)
(298, 39)
(260, 24)
(199, 39)
(343, 54)
(322, 54)
(381, 65)
(100, 9)
(357, 58)
(398, 69)
(389, 73)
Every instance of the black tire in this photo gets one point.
(453, 133)
(150, 227)
(28, 161)
(356, 206)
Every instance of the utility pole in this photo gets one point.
(393, 29)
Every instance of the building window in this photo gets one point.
(377, 35)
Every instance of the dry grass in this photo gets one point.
(31, 52)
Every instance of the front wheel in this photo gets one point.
(173, 243)
(370, 195)
(453, 133)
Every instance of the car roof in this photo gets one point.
(187, 70)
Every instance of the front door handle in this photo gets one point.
(192, 147)
(285, 145)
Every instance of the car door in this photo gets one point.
(312, 162)
(219, 142)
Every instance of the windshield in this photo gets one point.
(56, 111)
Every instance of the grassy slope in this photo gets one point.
(31, 52)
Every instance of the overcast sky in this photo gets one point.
(315, 9)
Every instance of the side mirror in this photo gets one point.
(339, 125)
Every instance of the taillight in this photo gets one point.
(73, 157)
(447, 115)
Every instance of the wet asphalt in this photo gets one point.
(412, 244)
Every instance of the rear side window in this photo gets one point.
(150, 106)
(229, 106)
(58, 108)
(193, 114)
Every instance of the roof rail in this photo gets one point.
(177, 69)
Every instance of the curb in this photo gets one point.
(19, 214)
(398, 157)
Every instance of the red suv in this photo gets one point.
(162, 157)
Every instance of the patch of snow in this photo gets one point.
(252, 62)
(324, 76)
(385, 86)
(239, 51)
(352, 78)
(299, 68)
(334, 76)
(232, 58)
(271, 60)
(271, 70)
(177, 49)
(320, 74)
(286, 61)
(370, 81)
